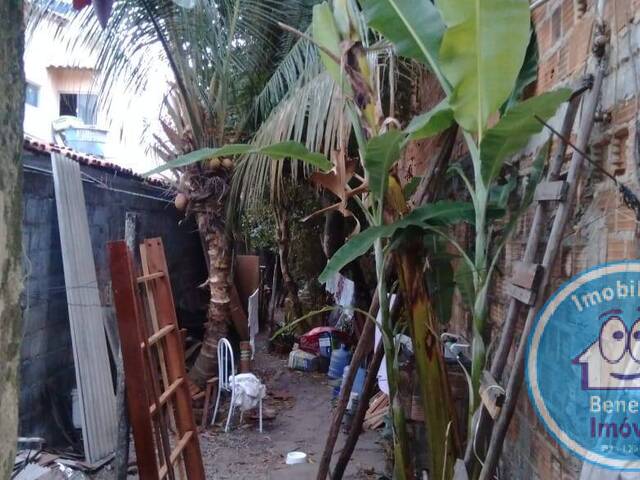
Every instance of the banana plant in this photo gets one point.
(385, 206)
(476, 50)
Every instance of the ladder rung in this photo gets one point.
(175, 454)
(151, 276)
(527, 275)
(550, 191)
(160, 334)
(523, 295)
(164, 396)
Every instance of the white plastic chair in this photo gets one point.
(227, 381)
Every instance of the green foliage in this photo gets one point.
(440, 213)
(464, 281)
(412, 185)
(528, 73)
(381, 152)
(288, 149)
(481, 54)
(258, 227)
(439, 277)
(513, 131)
(325, 34)
(414, 26)
(430, 123)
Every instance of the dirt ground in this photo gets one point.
(302, 408)
(303, 413)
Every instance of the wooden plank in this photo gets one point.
(182, 444)
(527, 275)
(152, 252)
(160, 334)
(128, 312)
(491, 394)
(247, 276)
(551, 191)
(528, 297)
(238, 315)
(166, 394)
(148, 278)
(86, 315)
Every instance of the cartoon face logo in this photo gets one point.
(612, 362)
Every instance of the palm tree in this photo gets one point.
(220, 54)
(12, 86)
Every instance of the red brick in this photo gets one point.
(563, 63)
(543, 31)
(567, 15)
(624, 112)
(579, 43)
(547, 73)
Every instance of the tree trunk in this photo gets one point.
(219, 312)
(284, 241)
(11, 118)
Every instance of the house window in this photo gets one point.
(32, 94)
(81, 105)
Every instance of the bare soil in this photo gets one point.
(300, 405)
(303, 411)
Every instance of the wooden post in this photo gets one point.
(506, 337)
(358, 419)
(122, 446)
(553, 245)
(274, 295)
(363, 348)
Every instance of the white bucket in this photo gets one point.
(296, 457)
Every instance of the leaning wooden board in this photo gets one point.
(86, 314)
(164, 430)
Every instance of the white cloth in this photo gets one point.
(254, 325)
(343, 291)
(248, 391)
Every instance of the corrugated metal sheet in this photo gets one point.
(86, 316)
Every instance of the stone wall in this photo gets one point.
(47, 369)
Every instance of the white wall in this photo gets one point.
(56, 68)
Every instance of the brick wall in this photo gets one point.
(602, 227)
(47, 373)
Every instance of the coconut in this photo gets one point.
(181, 201)
(227, 163)
(214, 163)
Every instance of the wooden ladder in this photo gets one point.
(530, 279)
(164, 430)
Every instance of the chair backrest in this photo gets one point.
(225, 360)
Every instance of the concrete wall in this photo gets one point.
(47, 369)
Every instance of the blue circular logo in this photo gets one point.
(583, 365)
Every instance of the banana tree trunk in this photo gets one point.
(283, 238)
(435, 394)
(219, 312)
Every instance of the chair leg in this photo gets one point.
(215, 410)
(260, 414)
(205, 408)
(233, 397)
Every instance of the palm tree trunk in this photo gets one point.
(219, 312)
(11, 117)
(283, 238)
